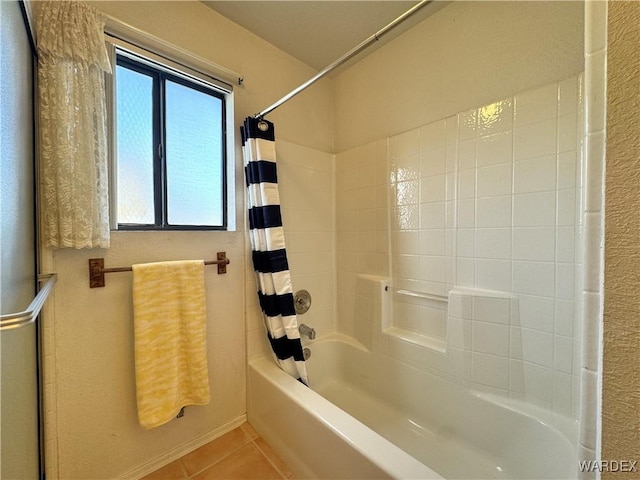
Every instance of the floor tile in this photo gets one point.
(173, 471)
(249, 430)
(237, 455)
(247, 463)
(273, 458)
(215, 450)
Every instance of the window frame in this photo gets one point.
(160, 71)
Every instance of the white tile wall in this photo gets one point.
(494, 149)
(594, 117)
(535, 140)
(363, 188)
(494, 309)
(492, 211)
(537, 312)
(491, 338)
(536, 209)
(488, 199)
(305, 181)
(535, 175)
(490, 370)
(518, 223)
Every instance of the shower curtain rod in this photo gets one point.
(354, 51)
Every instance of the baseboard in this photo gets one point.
(182, 450)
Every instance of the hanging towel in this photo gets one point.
(170, 339)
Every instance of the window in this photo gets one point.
(170, 148)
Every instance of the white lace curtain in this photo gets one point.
(72, 59)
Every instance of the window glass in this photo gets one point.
(193, 156)
(135, 147)
(170, 149)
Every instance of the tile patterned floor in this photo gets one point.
(239, 454)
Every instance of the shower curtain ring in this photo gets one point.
(262, 124)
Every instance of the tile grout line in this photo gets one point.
(268, 457)
(220, 459)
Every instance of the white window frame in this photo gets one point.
(146, 48)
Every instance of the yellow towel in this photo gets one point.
(170, 339)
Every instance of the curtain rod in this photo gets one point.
(354, 51)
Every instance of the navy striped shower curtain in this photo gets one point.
(275, 292)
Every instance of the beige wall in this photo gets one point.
(268, 72)
(466, 55)
(91, 425)
(621, 366)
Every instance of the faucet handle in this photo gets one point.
(302, 301)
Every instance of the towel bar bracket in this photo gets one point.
(223, 261)
(97, 270)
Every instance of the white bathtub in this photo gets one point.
(370, 416)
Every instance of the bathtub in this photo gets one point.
(369, 416)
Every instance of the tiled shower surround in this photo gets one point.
(476, 221)
(307, 199)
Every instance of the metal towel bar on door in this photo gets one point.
(20, 319)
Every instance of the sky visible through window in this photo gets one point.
(193, 153)
(135, 147)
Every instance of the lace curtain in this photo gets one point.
(72, 59)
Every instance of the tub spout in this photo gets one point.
(307, 330)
